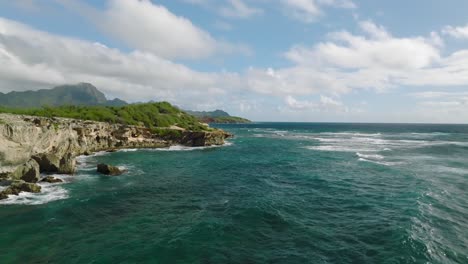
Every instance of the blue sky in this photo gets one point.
(267, 60)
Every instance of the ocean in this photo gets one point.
(276, 193)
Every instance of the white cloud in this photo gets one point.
(146, 26)
(239, 9)
(439, 94)
(375, 60)
(441, 106)
(294, 81)
(149, 27)
(324, 104)
(38, 59)
(309, 10)
(377, 50)
(456, 32)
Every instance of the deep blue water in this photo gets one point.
(279, 193)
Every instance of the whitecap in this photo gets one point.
(338, 148)
(49, 192)
(351, 134)
(186, 148)
(370, 156)
(385, 163)
(127, 150)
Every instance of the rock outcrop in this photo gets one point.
(200, 139)
(30, 145)
(109, 170)
(19, 186)
(28, 172)
(51, 179)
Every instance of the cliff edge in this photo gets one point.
(30, 145)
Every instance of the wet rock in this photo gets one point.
(28, 172)
(203, 138)
(109, 170)
(19, 186)
(51, 179)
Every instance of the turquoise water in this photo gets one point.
(279, 193)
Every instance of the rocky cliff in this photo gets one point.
(29, 145)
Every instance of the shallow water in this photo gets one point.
(279, 193)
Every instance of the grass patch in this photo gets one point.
(151, 115)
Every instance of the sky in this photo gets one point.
(267, 60)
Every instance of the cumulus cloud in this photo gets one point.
(375, 50)
(309, 10)
(442, 106)
(38, 59)
(456, 32)
(149, 27)
(373, 60)
(344, 62)
(324, 104)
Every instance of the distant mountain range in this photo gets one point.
(70, 94)
(217, 116)
(88, 95)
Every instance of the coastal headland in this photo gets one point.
(31, 145)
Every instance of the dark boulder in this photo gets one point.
(203, 138)
(109, 170)
(51, 179)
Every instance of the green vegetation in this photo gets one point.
(166, 133)
(218, 116)
(151, 115)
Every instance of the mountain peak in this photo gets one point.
(67, 94)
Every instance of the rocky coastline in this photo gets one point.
(31, 145)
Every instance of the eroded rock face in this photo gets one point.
(53, 143)
(67, 164)
(202, 138)
(48, 162)
(28, 172)
(109, 170)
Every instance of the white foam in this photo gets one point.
(49, 192)
(385, 163)
(185, 148)
(338, 148)
(370, 156)
(127, 150)
(351, 134)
